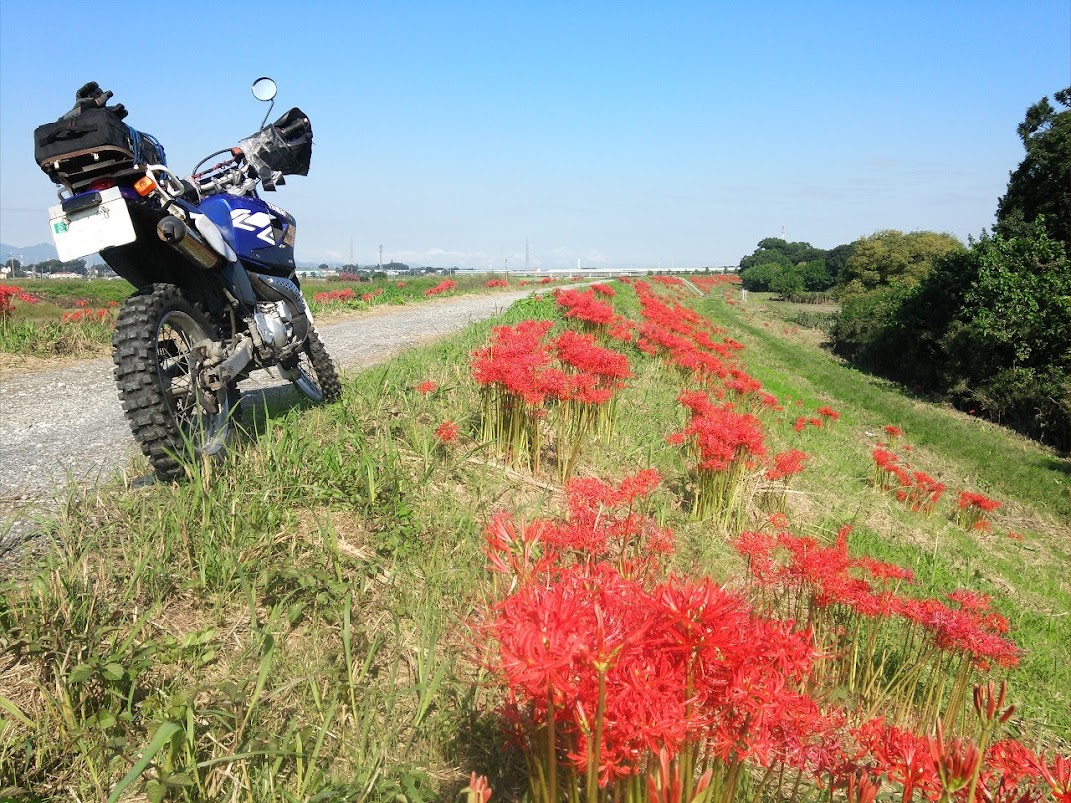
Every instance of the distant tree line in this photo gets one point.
(987, 325)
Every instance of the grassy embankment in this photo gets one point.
(291, 623)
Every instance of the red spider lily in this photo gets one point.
(901, 756)
(579, 352)
(9, 293)
(893, 432)
(921, 492)
(722, 442)
(786, 464)
(517, 550)
(1010, 762)
(1014, 536)
(828, 412)
(972, 509)
(862, 789)
(426, 387)
(1058, 777)
(887, 466)
(955, 760)
(446, 432)
(478, 791)
(664, 784)
(581, 305)
(626, 672)
(516, 360)
(331, 296)
(497, 283)
(604, 290)
(445, 286)
(88, 316)
(607, 522)
(980, 501)
(516, 373)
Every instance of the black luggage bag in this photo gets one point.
(80, 149)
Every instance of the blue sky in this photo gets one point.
(616, 134)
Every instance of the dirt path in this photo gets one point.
(61, 425)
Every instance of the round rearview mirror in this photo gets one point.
(264, 88)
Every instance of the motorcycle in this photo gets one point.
(217, 294)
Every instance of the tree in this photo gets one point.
(999, 320)
(757, 278)
(771, 251)
(836, 259)
(892, 257)
(815, 275)
(1041, 185)
(788, 282)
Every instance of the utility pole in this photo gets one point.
(381, 256)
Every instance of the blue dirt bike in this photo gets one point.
(218, 295)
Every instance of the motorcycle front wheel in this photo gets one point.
(317, 376)
(157, 370)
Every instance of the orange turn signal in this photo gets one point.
(144, 186)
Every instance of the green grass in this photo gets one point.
(290, 623)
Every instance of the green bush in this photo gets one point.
(989, 327)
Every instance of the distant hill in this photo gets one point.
(29, 254)
(34, 254)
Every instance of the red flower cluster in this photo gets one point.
(446, 432)
(708, 283)
(921, 493)
(803, 421)
(595, 373)
(828, 413)
(604, 290)
(937, 765)
(9, 292)
(626, 665)
(786, 464)
(518, 362)
(798, 567)
(88, 316)
(445, 286)
(721, 436)
(972, 508)
(330, 296)
(497, 283)
(917, 489)
(426, 387)
(581, 305)
(518, 373)
(368, 298)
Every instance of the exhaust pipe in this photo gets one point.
(188, 243)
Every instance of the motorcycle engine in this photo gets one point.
(275, 322)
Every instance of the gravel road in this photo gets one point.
(65, 424)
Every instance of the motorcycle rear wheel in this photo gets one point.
(317, 375)
(172, 417)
